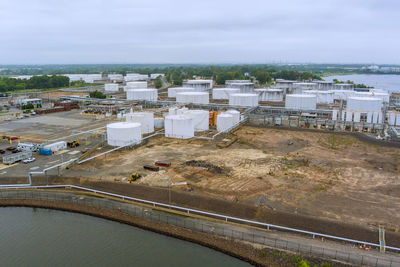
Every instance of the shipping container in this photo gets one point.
(45, 152)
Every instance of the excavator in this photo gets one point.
(134, 176)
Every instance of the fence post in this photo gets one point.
(362, 260)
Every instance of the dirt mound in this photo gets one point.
(204, 164)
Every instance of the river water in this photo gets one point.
(387, 81)
(40, 237)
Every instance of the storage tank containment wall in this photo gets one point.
(243, 100)
(123, 133)
(301, 102)
(224, 122)
(142, 94)
(193, 97)
(179, 126)
(146, 119)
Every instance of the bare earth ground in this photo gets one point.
(319, 174)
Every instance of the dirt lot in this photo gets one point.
(319, 174)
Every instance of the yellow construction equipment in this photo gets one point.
(73, 144)
(134, 176)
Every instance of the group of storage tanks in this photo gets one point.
(179, 123)
(360, 106)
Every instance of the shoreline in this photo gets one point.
(254, 254)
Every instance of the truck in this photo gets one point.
(12, 158)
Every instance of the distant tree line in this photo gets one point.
(35, 82)
(356, 85)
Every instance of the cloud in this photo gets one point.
(158, 31)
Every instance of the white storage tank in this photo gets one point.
(284, 84)
(301, 102)
(343, 86)
(179, 126)
(200, 119)
(235, 114)
(135, 85)
(269, 94)
(142, 94)
(323, 97)
(384, 96)
(224, 122)
(174, 90)
(146, 119)
(111, 87)
(298, 88)
(199, 85)
(325, 85)
(243, 100)
(124, 133)
(229, 82)
(193, 97)
(244, 87)
(224, 93)
(364, 104)
(158, 123)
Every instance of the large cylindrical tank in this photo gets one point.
(124, 133)
(193, 97)
(224, 122)
(174, 90)
(224, 93)
(142, 94)
(243, 100)
(244, 87)
(364, 104)
(269, 94)
(323, 97)
(382, 95)
(298, 88)
(343, 86)
(146, 119)
(158, 123)
(133, 85)
(200, 119)
(235, 114)
(111, 87)
(179, 126)
(301, 102)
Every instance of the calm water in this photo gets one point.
(389, 81)
(39, 237)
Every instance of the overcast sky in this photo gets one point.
(201, 31)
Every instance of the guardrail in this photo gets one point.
(209, 214)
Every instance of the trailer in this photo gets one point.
(27, 147)
(12, 158)
(56, 146)
(163, 163)
(151, 168)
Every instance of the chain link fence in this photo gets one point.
(213, 228)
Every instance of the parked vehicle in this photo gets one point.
(10, 148)
(2, 151)
(28, 160)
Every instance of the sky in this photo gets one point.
(202, 31)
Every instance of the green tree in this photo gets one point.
(158, 83)
(263, 77)
(97, 94)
